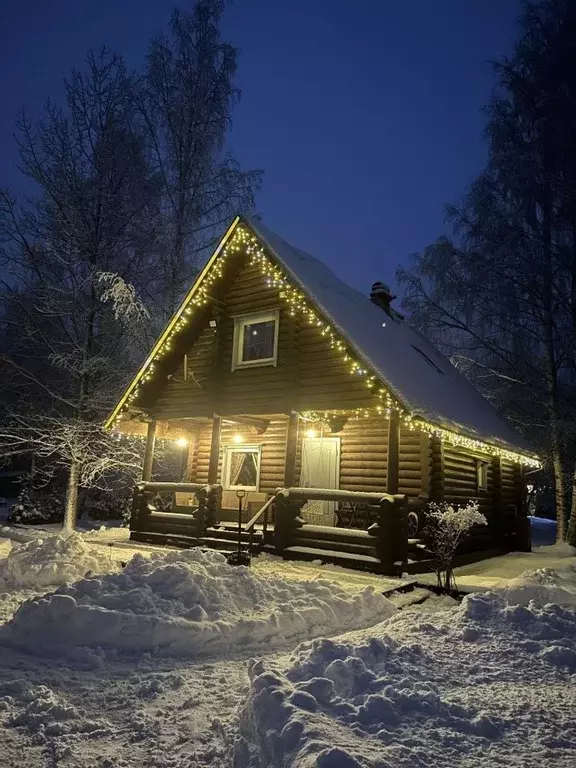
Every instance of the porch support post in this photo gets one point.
(437, 485)
(393, 463)
(149, 451)
(497, 521)
(214, 450)
(291, 448)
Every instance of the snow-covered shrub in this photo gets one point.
(108, 505)
(446, 527)
(34, 508)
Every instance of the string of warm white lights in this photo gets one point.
(298, 304)
(416, 424)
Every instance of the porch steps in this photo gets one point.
(171, 540)
(337, 557)
(357, 546)
(225, 539)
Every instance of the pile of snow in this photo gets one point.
(51, 561)
(189, 603)
(543, 585)
(482, 683)
(44, 713)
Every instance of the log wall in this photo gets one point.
(511, 493)
(308, 375)
(410, 469)
(363, 445)
(194, 396)
(273, 443)
(461, 479)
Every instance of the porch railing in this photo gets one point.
(147, 514)
(262, 514)
(389, 531)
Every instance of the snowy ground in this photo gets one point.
(180, 661)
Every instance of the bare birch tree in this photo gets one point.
(72, 256)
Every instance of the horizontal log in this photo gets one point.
(356, 427)
(462, 465)
(373, 438)
(364, 487)
(359, 473)
(409, 474)
(453, 487)
(410, 466)
(360, 455)
(461, 476)
(414, 488)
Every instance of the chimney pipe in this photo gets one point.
(382, 296)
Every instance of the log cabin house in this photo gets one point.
(274, 374)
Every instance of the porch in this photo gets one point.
(340, 489)
(278, 527)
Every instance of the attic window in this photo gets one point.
(425, 356)
(255, 339)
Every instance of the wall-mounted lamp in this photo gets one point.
(237, 438)
(182, 442)
(311, 433)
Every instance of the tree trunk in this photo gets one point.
(551, 371)
(559, 488)
(71, 508)
(571, 535)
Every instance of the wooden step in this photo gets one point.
(367, 548)
(330, 556)
(231, 534)
(220, 545)
(169, 539)
(336, 535)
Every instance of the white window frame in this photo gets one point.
(229, 450)
(240, 322)
(481, 475)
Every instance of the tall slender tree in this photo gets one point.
(500, 296)
(186, 99)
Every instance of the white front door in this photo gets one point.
(320, 469)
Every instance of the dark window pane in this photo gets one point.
(258, 341)
(243, 468)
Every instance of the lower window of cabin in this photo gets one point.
(241, 467)
(481, 475)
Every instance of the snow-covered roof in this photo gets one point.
(421, 378)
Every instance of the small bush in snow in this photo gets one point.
(114, 504)
(36, 509)
(446, 527)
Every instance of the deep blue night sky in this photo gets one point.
(364, 114)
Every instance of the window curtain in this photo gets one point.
(243, 468)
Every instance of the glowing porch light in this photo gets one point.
(237, 438)
(311, 433)
(182, 442)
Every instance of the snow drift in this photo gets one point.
(484, 683)
(186, 604)
(52, 560)
(543, 585)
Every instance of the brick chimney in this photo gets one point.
(382, 296)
